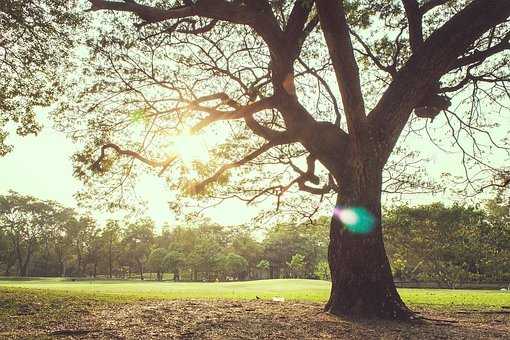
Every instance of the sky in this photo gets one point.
(41, 166)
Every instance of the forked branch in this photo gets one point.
(130, 153)
(199, 187)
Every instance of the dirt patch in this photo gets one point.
(233, 320)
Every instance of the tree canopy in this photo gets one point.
(37, 38)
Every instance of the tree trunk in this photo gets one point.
(110, 259)
(19, 259)
(24, 267)
(25, 264)
(8, 266)
(362, 283)
(78, 260)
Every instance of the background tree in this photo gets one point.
(111, 240)
(297, 265)
(80, 232)
(264, 265)
(206, 257)
(245, 245)
(95, 251)
(322, 271)
(24, 220)
(235, 266)
(174, 261)
(286, 240)
(137, 241)
(448, 245)
(62, 239)
(156, 262)
(7, 257)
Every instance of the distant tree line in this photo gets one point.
(436, 243)
(43, 238)
(449, 245)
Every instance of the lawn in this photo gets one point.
(295, 290)
(46, 308)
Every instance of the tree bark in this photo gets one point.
(362, 282)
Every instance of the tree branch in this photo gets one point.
(255, 14)
(336, 33)
(296, 23)
(368, 52)
(431, 4)
(440, 51)
(480, 56)
(238, 113)
(309, 176)
(147, 13)
(198, 187)
(133, 154)
(414, 20)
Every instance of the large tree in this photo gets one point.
(263, 77)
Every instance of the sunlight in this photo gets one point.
(191, 148)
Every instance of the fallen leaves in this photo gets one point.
(194, 319)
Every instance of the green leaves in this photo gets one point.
(36, 44)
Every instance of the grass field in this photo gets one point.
(50, 308)
(296, 290)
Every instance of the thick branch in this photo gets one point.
(336, 33)
(414, 20)
(423, 70)
(263, 131)
(296, 24)
(257, 14)
(309, 176)
(146, 13)
(480, 56)
(238, 113)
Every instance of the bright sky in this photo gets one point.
(41, 166)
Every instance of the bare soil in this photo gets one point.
(70, 318)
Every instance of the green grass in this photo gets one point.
(302, 290)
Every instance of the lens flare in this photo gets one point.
(357, 220)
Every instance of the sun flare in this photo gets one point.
(191, 148)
